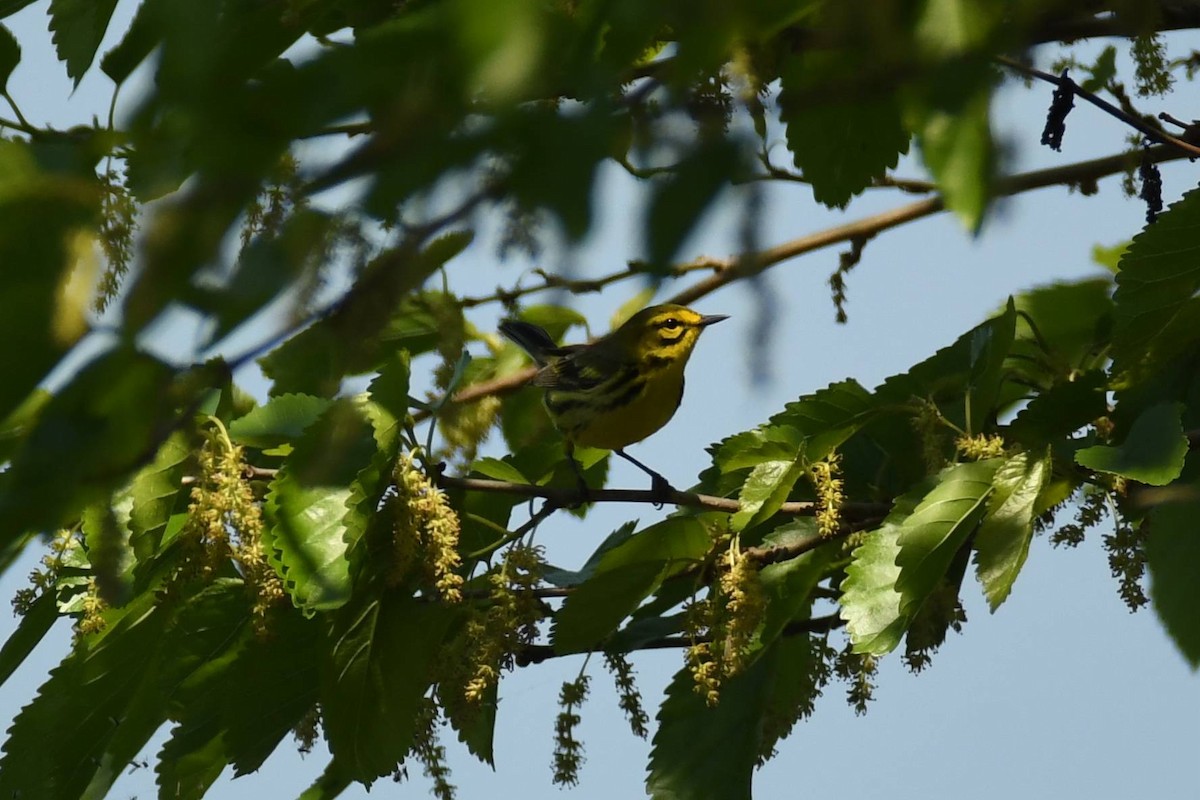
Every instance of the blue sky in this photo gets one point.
(1061, 693)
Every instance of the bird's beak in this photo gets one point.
(711, 319)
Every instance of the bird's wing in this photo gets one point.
(579, 368)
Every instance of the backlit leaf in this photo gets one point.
(307, 506)
(1157, 311)
(1002, 543)
(1173, 557)
(1153, 452)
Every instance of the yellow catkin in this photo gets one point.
(507, 623)
(980, 446)
(225, 523)
(426, 530)
(826, 478)
(723, 626)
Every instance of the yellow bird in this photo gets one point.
(620, 388)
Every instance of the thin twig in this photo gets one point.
(570, 496)
(537, 653)
(1143, 127)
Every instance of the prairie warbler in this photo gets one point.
(620, 388)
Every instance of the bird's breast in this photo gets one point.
(646, 405)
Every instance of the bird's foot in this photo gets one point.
(660, 489)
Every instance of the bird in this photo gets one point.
(620, 388)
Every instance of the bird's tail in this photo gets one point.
(531, 338)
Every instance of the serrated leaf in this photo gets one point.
(388, 406)
(870, 604)
(382, 653)
(1002, 543)
(596, 607)
(36, 621)
(566, 578)
(238, 693)
(1157, 311)
(1053, 415)
(964, 377)
(900, 563)
(788, 584)
(1173, 557)
(1153, 452)
(938, 527)
(308, 503)
(78, 27)
(840, 146)
(143, 34)
(765, 490)
(676, 541)
(955, 141)
(702, 753)
(156, 492)
(110, 678)
(282, 420)
(10, 56)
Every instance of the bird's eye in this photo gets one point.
(670, 324)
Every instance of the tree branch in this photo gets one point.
(537, 653)
(564, 497)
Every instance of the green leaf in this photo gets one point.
(90, 436)
(840, 145)
(1053, 415)
(1002, 543)
(679, 200)
(799, 678)
(964, 378)
(144, 33)
(766, 490)
(870, 604)
(902, 562)
(331, 784)
(35, 623)
(567, 578)
(1101, 71)
(237, 693)
(702, 753)
(157, 492)
(365, 331)
(388, 405)
(1157, 311)
(788, 584)
(382, 654)
(1153, 452)
(955, 140)
(1173, 556)
(40, 216)
(596, 608)
(939, 526)
(307, 507)
(282, 420)
(10, 7)
(20, 422)
(108, 680)
(106, 539)
(676, 541)
(10, 56)
(78, 27)
(1073, 323)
